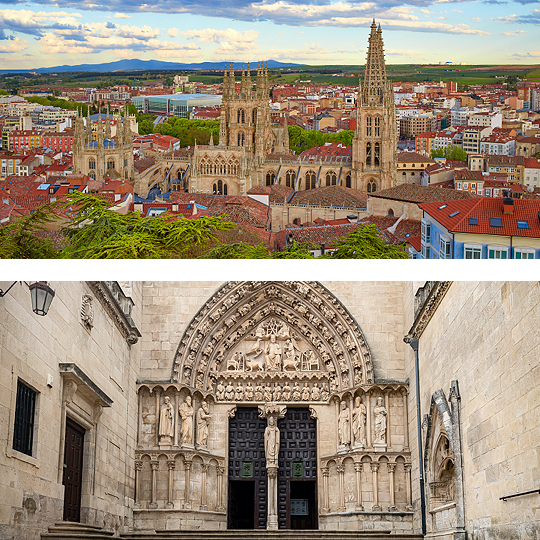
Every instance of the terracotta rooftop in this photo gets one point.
(277, 192)
(419, 194)
(332, 196)
(413, 157)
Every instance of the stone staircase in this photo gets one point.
(244, 534)
(67, 530)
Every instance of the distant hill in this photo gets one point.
(142, 65)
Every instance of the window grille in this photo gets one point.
(23, 434)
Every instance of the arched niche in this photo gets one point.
(273, 334)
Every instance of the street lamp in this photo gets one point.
(42, 296)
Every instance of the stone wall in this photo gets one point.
(33, 348)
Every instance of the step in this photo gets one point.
(69, 530)
(244, 534)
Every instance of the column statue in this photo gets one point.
(203, 419)
(359, 423)
(380, 423)
(186, 413)
(166, 422)
(271, 442)
(344, 427)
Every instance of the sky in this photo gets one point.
(49, 33)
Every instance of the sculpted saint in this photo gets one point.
(359, 421)
(186, 413)
(380, 421)
(203, 419)
(271, 442)
(344, 432)
(273, 355)
(166, 419)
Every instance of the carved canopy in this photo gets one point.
(274, 330)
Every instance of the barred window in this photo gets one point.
(23, 434)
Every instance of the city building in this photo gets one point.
(179, 105)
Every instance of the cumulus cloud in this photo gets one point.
(14, 45)
(209, 35)
(121, 16)
(173, 32)
(35, 23)
(515, 33)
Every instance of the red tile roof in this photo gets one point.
(277, 192)
(483, 209)
(419, 194)
(332, 196)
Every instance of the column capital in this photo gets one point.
(205, 467)
(220, 470)
(358, 467)
(340, 469)
(391, 467)
(325, 471)
(154, 465)
(138, 465)
(407, 467)
(375, 466)
(171, 463)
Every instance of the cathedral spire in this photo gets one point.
(375, 81)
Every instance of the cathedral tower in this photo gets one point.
(374, 143)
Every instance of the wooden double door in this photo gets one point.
(297, 472)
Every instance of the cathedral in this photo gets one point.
(97, 154)
(155, 409)
(252, 151)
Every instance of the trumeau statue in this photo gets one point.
(186, 413)
(166, 421)
(380, 421)
(203, 419)
(273, 355)
(359, 423)
(344, 430)
(271, 442)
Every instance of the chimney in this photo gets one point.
(508, 205)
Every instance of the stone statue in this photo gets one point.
(380, 421)
(249, 392)
(203, 419)
(325, 394)
(229, 392)
(273, 355)
(315, 393)
(291, 360)
(220, 391)
(344, 430)
(286, 394)
(296, 394)
(271, 442)
(276, 394)
(258, 393)
(305, 392)
(239, 394)
(267, 393)
(166, 421)
(359, 422)
(186, 413)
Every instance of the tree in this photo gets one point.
(238, 250)
(452, 152)
(366, 243)
(295, 250)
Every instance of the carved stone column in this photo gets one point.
(388, 435)
(157, 392)
(170, 501)
(176, 422)
(391, 470)
(138, 468)
(205, 467)
(139, 420)
(155, 466)
(188, 460)
(340, 468)
(405, 422)
(326, 498)
(368, 420)
(407, 467)
(272, 521)
(374, 471)
(219, 500)
(358, 470)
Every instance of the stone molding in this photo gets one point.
(76, 380)
(109, 299)
(425, 311)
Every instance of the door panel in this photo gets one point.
(73, 466)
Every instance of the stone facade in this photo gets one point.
(156, 373)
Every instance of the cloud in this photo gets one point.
(15, 44)
(515, 33)
(476, 19)
(121, 16)
(173, 32)
(209, 35)
(145, 32)
(531, 54)
(35, 23)
(532, 18)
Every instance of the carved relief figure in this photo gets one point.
(296, 394)
(271, 442)
(258, 393)
(276, 395)
(305, 392)
(359, 422)
(286, 394)
(380, 421)
(324, 392)
(239, 394)
(87, 311)
(267, 393)
(273, 355)
(290, 362)
(166, 420)
(203, 419)
(220, 391)
(229, 392)
(315, 393)
(344, 430)
(186, 413)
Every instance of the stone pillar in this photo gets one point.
(138, 468)
(205, 467)
(219, 500)
(405, 422)
(272, 522)
(388, 436)
(176, 422)
(326, 497)
(188, 460)
(374, 471)
(170, 464)
(340, 468)
(358, 471)
(407, 467)
(391, 470)
(157, 392)
(155, 466)
(139, 420)
(368, 420)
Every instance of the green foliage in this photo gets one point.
(365, 243)
(296, 250)
(96, 232)
(58, 102)
(238, 250)
(300, 139)
(20, 240)
(453, 152)
(188, 131)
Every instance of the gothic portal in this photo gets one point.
(272, 418)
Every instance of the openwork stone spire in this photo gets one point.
(375, 82)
